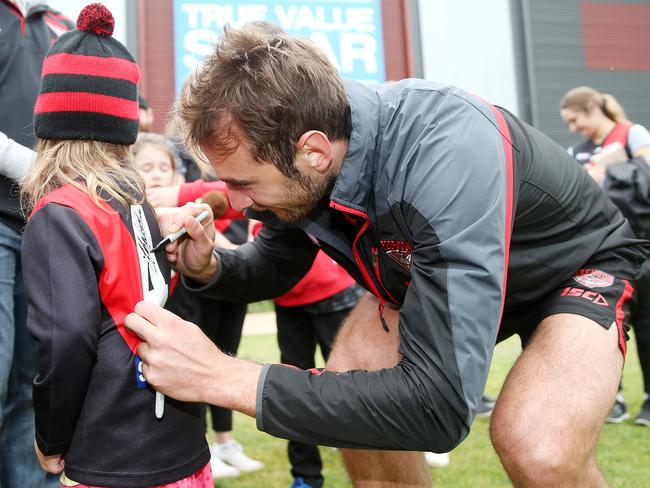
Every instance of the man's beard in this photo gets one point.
(305, 193)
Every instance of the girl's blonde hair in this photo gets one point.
(101, 166)
(582, 98)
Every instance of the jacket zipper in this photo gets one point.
(375, 264)
(364, 271)
(362, 268)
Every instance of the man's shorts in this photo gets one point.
(591, 293)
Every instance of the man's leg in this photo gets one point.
(362, 343)
(554, 403)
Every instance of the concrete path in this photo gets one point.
(259, 323)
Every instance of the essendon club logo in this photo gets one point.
(594, 278)
(400, 251)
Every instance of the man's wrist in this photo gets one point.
(208, 272)
(235, 385)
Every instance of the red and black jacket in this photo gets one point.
(459, 214)
(83, 276)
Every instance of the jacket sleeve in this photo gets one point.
(265, 268)
(14, 158)
(61, 262)
(189, 192)
(454, 202)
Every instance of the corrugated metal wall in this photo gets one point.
(156, 50)
(603, 44)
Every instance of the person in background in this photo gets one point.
(146, 114)
(308, 315)
(601, 120)
(155, 160)
(220, 320)
(27, 31)
(87, 260)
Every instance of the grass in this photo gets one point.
(623, 451)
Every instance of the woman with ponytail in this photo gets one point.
(614, 149)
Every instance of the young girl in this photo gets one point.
(155, 160)
(87, 262)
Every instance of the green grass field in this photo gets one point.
(623, 450)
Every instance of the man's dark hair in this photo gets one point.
(263, 88)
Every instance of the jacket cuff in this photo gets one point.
(197, 286)
(259, 399)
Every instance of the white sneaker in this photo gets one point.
(437, 460)
(219, 468)
(232, 453)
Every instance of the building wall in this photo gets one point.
(469, 43)
(71, 9)
(603, 44)
(156, 50)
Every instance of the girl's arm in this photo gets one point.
(61, 262)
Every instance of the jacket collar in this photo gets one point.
(355, 180)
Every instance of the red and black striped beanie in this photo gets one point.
(89, 84)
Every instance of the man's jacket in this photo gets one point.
(25, 37)
(457, 213)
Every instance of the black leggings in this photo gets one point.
(298, 334)
(222, 322)
(641, 323)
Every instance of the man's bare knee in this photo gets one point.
(554, 401)
(363, 342)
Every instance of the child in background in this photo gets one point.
(222, 321)
(87, 262)
(155, 160)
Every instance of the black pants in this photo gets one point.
(641, 322)
(222, 322)
(298, 334)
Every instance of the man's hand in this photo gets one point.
(52, 464)
(163, 196)
(192, 254)
(180, 361)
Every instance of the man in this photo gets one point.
(465, 224)
(27, 30)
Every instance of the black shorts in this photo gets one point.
(592, 293)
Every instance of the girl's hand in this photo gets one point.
(52, 464)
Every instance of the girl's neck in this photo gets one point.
(604, 130)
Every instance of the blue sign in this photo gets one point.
(349, 32)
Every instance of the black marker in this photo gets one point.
(174, 236)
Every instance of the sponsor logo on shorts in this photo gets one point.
(592, 296)
(400, 251)
(594, 278)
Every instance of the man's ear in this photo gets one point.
(315, 150)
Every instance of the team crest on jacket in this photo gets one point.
(593, 278)
(400, 251)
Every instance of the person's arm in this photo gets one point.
(455, 207)
(265, 268)
(15, 158)
(61, 261)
